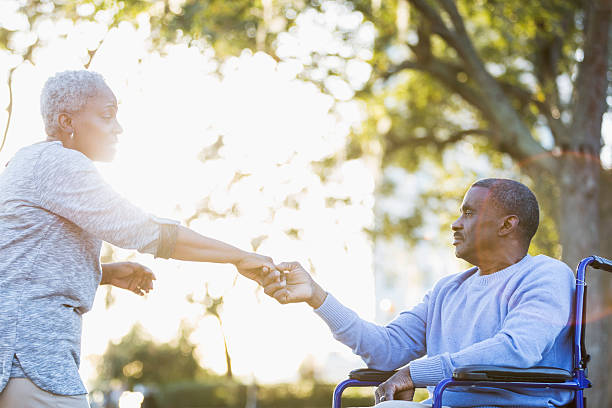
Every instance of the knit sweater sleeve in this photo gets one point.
(381, 347)
(70, 186)
(538, 311)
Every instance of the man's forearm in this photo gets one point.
(191, 246)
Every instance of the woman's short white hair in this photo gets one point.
(67, 92)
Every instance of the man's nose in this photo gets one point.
(456, 225)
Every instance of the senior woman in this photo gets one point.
(55, 211)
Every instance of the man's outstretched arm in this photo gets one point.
(381, 347)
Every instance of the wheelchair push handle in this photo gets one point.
(602, 263)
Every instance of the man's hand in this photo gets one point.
(398, 387)
(254, 266)
(128, 275)
(293, 286)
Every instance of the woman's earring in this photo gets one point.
(71, 136)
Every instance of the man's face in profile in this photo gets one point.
(475, 231)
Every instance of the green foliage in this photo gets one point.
(213, 393)
(137, 359)
(229, 27)
(175, 379)
(232, 394)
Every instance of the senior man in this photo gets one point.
(511, 309)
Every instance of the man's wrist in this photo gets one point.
(318, 297)
(408, 375)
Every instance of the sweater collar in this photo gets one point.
(484, 280)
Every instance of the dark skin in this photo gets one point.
(93, 130)
(486, 237)
(483, 235)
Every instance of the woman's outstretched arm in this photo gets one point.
(192, 246)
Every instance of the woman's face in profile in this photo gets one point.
(96, 127)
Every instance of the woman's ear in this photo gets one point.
(64, 120)
(510, 223)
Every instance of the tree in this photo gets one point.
(533, 78)
(136, 359)
(528, 80)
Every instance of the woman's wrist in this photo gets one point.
(239, 256)
(107, 274)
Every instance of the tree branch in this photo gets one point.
(9, 108)
(590, 101)
(464, 46)
(548, 53)
(437, 24)
(26, 57)
(395, 142)
(446, 73)
(523, 96)
(489, 98)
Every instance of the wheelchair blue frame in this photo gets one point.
(579, 379)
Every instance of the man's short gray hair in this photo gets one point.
(67, 92)
(514, 198)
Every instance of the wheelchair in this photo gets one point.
(506, 377)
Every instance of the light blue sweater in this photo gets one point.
(516, 317)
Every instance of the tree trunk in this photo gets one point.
(579, 182)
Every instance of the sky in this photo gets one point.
(174, 106)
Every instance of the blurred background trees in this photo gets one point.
(522, 87)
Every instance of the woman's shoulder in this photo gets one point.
(52, 155)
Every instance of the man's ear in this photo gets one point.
(509, 223)
(64, 120)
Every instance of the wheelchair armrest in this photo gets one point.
(509, 374)
(368, 374)
(599, 262)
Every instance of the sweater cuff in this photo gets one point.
(335, 314)
(427, 371)
(168, 233)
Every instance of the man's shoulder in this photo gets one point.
(551, 264)
(544, 270)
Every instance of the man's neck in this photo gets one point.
(498, 263)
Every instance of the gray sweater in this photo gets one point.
(55, 211)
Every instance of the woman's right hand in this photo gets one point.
(254, 266)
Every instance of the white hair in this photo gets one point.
(67, 92)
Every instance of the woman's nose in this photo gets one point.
(118, 128)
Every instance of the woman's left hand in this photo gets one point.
(128, 275)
